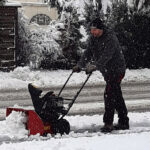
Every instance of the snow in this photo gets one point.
(94, 143)
(85, 134)
(85, 130)
(14, 125)
(13, 3)
(83, 31)
(21, 76)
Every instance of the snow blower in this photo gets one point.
(50, 111)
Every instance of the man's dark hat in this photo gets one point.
(97, 23)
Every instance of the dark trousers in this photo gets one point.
(113, 100)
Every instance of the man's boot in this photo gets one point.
(122, 125)
(107, 128)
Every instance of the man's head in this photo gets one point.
(97, 27)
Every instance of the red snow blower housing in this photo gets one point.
(49, 111)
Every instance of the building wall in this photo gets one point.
(32, 10)
(35, 7)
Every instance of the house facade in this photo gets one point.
(38, 11)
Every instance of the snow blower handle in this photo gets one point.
(68, 80)
(65, 83)
(75, 97)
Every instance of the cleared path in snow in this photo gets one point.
(90, 100)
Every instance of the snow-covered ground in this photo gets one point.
(85, 135)
(85, 130)
(21, 76)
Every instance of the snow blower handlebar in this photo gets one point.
(83, 69)
(77, 94)
(75, 97)
(65, 83)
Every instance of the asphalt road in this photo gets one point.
(89, 102)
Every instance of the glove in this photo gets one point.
(90, 68)
(76, 69)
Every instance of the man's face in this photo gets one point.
(96, 32)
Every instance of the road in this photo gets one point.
(90, 100)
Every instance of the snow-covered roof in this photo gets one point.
(34, 4)
(13, 3)
(24, 3)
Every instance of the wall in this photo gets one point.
(32, 10)
(35, 7)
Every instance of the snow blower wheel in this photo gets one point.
(62, 126)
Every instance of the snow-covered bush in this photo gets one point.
(2, 2)
(71, 37)
(36, 44)
(73, 15)
(70, 15)
(61, 39)
(40, 47)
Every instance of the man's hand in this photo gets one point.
(76, 69)
(90, 68)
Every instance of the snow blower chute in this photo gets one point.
(49, 113)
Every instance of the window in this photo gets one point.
(41, 19)
(45, 1)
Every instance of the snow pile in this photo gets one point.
(12, 3)
(85, 135)
(106, 142)
(21, 76)
(14, 126)
(137, 75)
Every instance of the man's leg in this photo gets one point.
(120, 105)
(109, 103)
(113, 99)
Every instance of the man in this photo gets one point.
(104, 49)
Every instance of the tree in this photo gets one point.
(2, 2)
(55, 3)
(140, 4)
(132, 28)
(92, 11)
(71, 35)
(38, 45)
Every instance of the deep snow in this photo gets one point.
(85, 135)
(85, 130)
(21, 76)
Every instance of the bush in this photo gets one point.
(133, 31)
(56, 47)
(137, 39)
(38, 44)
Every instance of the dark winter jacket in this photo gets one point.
(106, 53)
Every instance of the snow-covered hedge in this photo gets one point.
(37, 43)
(61, 39)
(2, 2)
